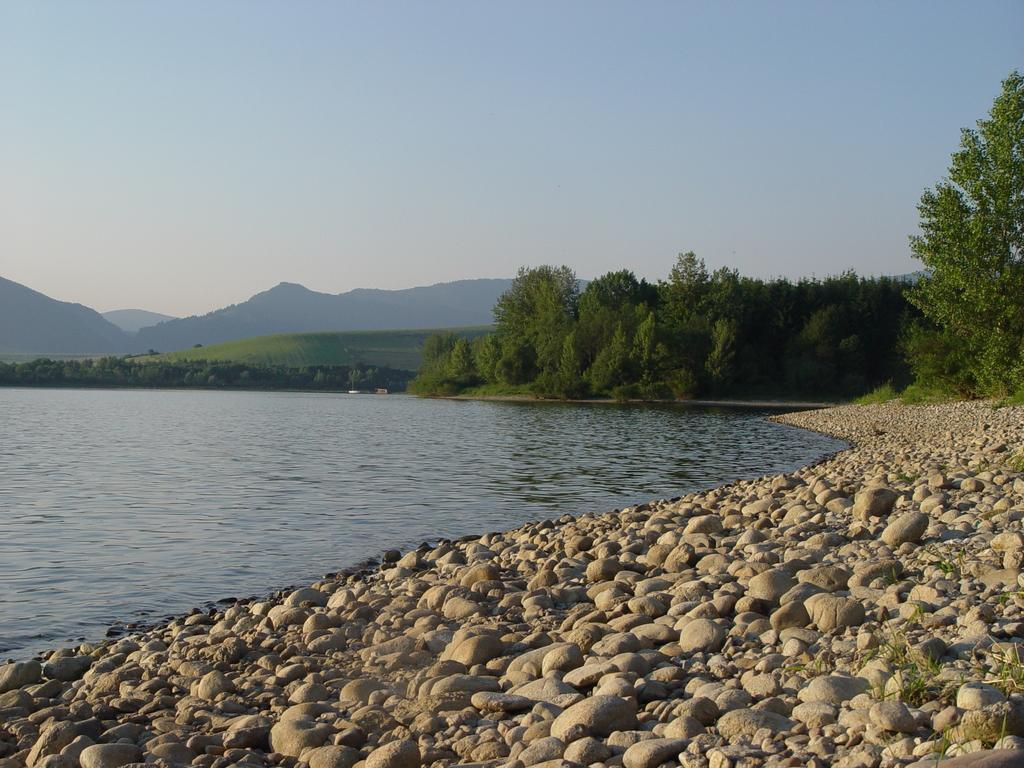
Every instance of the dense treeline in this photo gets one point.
(694, 334)
(972, 241)
(129, 372)
(957, 332)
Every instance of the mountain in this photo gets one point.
(131, 320)
(291, 308)
(33, 322)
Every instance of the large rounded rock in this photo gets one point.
(173, 752)
(290, 737)
(874, 502)
(790, 615)
(893, 716)
(306, 596)
(52, 740)
(972, 696)
(603, 569)
(478, 573)
(211, 685)
(747, 722)
(770, 585)
(488, 701)
(67, 668)
(830, 578)
(332, 756)
(19, 674)
(109, 755)
(832, 689)
(395, 754)
(831, 612)
(594, 716)
(542, 750)
(476, 650)
(587, 751)
(653, 752)
(359, 690)
(906, 528)
(701, 636)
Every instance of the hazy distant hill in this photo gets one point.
(291, 308)
(131, 320)
(32, 322)
(394, 349)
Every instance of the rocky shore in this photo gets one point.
(863, 611)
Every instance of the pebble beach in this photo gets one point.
(864, 611)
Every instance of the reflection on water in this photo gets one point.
(128, 505)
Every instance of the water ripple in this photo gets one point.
(123, 505)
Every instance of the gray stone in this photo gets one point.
(893, 716)
(653, 752)
(594, 716)
(109, 755)
(832, 612)
(874, 502)
(906, 528)
(487, 701)
(832, 689)
(587, 751)
(52, 740)
(211, 685)
(476, 650)
(747, 722)
(290, 737)
(701, 636)
(542, 750)
(67, 668)
(395, 754)
(972, 696)
(332, 756)
(19, 674)
(770, 585)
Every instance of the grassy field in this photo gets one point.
(395, 349)
(26, 357)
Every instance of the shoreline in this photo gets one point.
(625, 639)
(724, 403)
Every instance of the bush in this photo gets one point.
(921, 394)
(882, 394)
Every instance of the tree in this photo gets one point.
(436, 348)
(972, 241)
(460, 367)
(611, 367)
(613, 298)
(644, 348)
(532, 319)
(721, 359)
(684, 292)
(569, 381)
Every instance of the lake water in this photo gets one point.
(122, 506)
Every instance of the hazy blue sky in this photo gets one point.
(179, 156)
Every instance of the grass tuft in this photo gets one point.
(1016, 462)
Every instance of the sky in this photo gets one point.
(182, 156)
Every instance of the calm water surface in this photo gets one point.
(120, 506)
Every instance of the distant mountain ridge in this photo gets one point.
(33, 322)
(131, 320)
(292, 308)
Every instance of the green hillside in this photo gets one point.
(394, 349)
